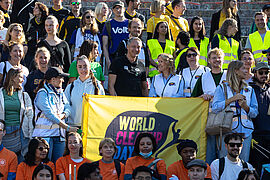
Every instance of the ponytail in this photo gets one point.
(94, 81)
(41, 85)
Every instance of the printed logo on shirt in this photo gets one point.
(37, 81)
(246, 89)
(196, 77)
(119, 30)
(2, 162)
(171, 84)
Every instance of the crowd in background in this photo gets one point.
(51, 56)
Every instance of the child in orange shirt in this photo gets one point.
(72, 157)
(110, 168)
(145, 146)
(38, 149)
(43, 172)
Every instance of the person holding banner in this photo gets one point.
(167, 83)
(67, 166)
(86, 83)
(242, 99)
(145, 145)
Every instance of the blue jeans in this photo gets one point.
(57, 148)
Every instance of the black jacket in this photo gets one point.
(215, 24)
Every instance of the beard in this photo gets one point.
(233, 154)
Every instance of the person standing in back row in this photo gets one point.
(58, 10)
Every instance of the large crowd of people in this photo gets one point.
(49, 61)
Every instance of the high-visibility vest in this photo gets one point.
(257, 45)
(177, 59)
(156, 49)
(230, 51)
(203, 49)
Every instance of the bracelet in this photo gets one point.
(68, 128)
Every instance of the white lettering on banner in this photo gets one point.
(120, 30)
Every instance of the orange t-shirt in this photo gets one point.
(137, 161)
(108, 171)
(178, 169)
(25, 172)
(62, 166)
(8, 162)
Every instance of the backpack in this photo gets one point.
(222, 165)
(153, 167)
(116, 164)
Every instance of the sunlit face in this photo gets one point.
(242, 73)
(76, 5)
(135, 29)
(51, 26)
(42, 60)
(36, 11)
(233, 3)
(18, 80)
(57, 1)
(162, 28)
(234, 147)
(248, 60)
(181, 7)
(197, 173)
(2, 131)
(232, 30)
(5, 4)
(260, 21)
(162, 7)
(216, 60)
(16, 33)
(94, 52)
(74, 144)
(188, 154)
(107, 150)
(262, 75)
(162, 65)
(57, 81)
(41, 151)
(118, 11)
(83, 68)
(44, 174)
(134, 48)
(145, 145)
(16, 53)
(104, 11)
(192, 57)
(136, 4)
(197, 25)
(88, 18)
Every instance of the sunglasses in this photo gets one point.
(74, 3)
(235, 144)
(263, 73)
(42, 148)
(191, 54)
(88, 17)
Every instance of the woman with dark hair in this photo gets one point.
(38, 149)
(229, 10)
(72, 157)
(145, 145)
(88, 31)
(58, 48)
(52, 108)
(224, 40)
(160, 43)
(86, 83)
(242, 100)
(17, 112)
(90, 50)
(43, 172)
(160, 83)
(36, 31)
(198, 39)
(248, 174)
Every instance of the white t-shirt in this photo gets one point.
(3, 33)
(9, 66)
(231, 169)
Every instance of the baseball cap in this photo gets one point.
(55, 72)
(197, 162)
(261, 65)
(266, 6)
(266, 51)
(118, 3)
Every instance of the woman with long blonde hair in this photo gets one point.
(242, 100)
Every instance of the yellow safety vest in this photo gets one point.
(177, 59)
(203, 49)
(257, 45)
(155, 50)
(230, 52)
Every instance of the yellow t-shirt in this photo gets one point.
(182, 22)
(152, 22)
(221, 19)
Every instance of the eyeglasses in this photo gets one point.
(88, 17)
(235, 144)
(42, 148)
(263, 73)
(191, 54)
(74, 3)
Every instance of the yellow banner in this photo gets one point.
(123, 118)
